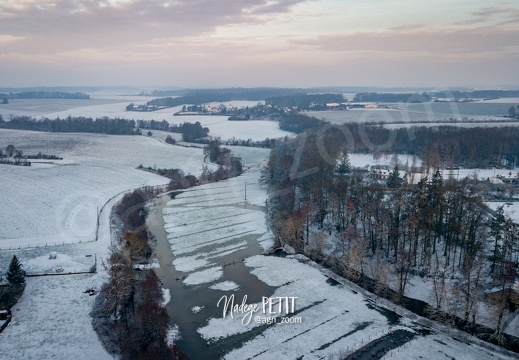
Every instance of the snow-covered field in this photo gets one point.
(438, 346)
(109, 105)
(57, 201)
(334, 319)
(52, 321)
(511, 209)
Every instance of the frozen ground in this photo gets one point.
(52, 321)
(511, 209)
(436, 346)
(334, 319)
(115, 106)
(57, 203)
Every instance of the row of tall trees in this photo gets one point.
(103, 125)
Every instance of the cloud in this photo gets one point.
(4, 39)
(498, 14)
(52, 25)
(410, 27)
(279, 6)
(432, 42)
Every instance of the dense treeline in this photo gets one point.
(423, 97)
(266, 143)
(303, 101)
(250, 94)
(438, 227)
(478, 94)
(389, 230)
(44, 95)
(392, 97)
(102, 125)
(481, 147)
(196, 99)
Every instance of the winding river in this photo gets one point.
(185, 297)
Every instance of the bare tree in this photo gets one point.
(120, 270)
(381, 272)
(355, 256)
(292, 231)
(135, 245)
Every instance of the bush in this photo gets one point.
(9, 296)
(170, 140)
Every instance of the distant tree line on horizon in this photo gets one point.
(478, 94)
(304, 101)
(427, 96)
(392, 97)
(275, 97)
(250, 94)
(44, 95)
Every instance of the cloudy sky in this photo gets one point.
(192, 43)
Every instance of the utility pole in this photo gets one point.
(245, 191)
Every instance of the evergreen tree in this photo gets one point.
(343, 164)
(394, 180)
(497, 226)
(15, 273)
